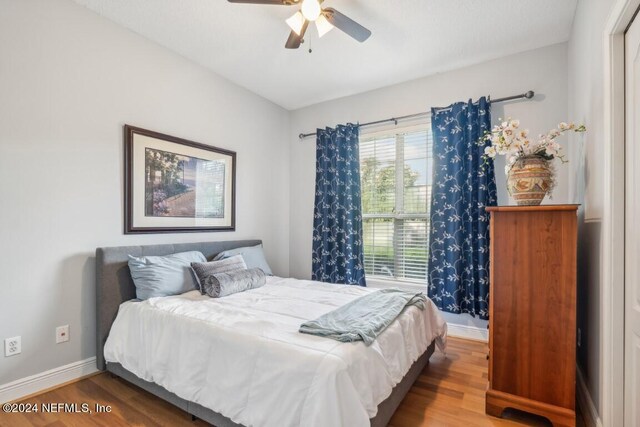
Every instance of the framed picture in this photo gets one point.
(173, 185)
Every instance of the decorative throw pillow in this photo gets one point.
(253, 257)
(203, 269)
(161, 276)
(224, 284)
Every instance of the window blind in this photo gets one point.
(396, 173)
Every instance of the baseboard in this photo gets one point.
(46, 380)
(587, 407)
(468, 332)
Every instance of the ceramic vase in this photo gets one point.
(529, 180)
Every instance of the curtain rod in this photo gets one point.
(527, 95)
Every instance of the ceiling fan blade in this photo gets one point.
(346, 24)
(274, 2)
(294, 40)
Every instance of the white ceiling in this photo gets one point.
(411, 39)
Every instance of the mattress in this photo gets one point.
(243, 357)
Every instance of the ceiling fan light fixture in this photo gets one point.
(323, 25)
(311, 9)
(296, 22)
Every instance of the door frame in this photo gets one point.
(612, 286)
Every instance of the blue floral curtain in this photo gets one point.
(462, 186)
(337, 216)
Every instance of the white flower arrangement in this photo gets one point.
(507, 139)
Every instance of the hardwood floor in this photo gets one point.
(450, 392)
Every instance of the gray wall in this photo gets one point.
(69, 80)
(586, 91)
(543, 70)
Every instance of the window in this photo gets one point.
(396, 174)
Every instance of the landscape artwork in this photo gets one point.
(176, 185)
(183, 186)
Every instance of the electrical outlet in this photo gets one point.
(579, 337)
(62, 334)
(12, 346)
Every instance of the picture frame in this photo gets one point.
(173, 185)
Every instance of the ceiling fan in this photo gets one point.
(312, 11)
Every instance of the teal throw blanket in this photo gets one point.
(365, 318)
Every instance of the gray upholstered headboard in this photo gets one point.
(115, 286)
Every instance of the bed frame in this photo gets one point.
(115, 286)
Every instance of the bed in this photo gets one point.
(241, 355)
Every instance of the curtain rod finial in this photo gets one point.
(301, 136)
(529, 94)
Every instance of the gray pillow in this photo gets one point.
(161, 276)
(203, 269)
(253, 257)
(224, 284)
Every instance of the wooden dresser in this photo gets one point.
(532, 311)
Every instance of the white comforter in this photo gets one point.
(242, 355)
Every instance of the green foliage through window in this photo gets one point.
(395, 205)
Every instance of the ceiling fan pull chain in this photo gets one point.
(310, 50)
